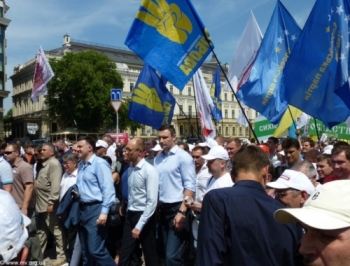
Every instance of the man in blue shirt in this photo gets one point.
(142, 201)
(177, 179)
(237, 225)
(97, 194)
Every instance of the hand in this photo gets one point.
(297, 132)
(24, 211)
(102, 219)
(135, 233)
(196, 206)
(179, 221)
(121, 212)
(49, 208)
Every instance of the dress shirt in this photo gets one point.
(176, 173)
(95, 182)
(143, 185)
(67, 181)
(237, 227)
(201, 182)
(221, 182)
(6, 175)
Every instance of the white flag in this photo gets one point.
(241, 118)
(302, 120)
(204, 104)
(42, 75)
(245, 54)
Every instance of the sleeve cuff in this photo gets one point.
(139, 225)
(104, 210)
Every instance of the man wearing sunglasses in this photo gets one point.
(292, 188)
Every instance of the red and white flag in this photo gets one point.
(42, 75)
(204, 105)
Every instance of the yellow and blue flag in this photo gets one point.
(262, 90)
(170, 37)
(151, 102)
(215, 94)
(318, 68)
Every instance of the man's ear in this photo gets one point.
(265, 174)
(304, 196)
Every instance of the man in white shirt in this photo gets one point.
(143, 182)
(217, 161)
(111, 148)
(202, 173)
(69, 178)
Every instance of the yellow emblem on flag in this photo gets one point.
(168, 20)
(147, 97)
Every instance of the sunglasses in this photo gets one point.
(8, 152)
(282, 194)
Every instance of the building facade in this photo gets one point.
(32, 120)
(4, 22)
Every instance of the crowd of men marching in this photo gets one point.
(163, 202)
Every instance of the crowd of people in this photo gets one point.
(164, 202)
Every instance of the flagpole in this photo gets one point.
(195, 106)
(318, 136)
(229, 83)
(290, 112)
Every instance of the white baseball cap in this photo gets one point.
(210, 143)
(101, 143)
(328, 208)
(217, 152)
(293, 179)
(157, 148)
(12, 227)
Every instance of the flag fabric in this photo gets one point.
(151, 103)
(262, 90)
(170, 37)
(215, 93)
(244, 55)
(319, 64)
(241, 118)
(302, 120)
(42, 75)
(204, 105)
(290, 115)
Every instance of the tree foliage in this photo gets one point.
(80, 89)
(8, 114)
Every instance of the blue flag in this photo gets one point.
(319, 64)
(151, 102)
(215, 92)
(170, 37)
(262, 90)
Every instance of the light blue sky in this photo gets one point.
(44, 22)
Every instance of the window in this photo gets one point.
(240, 131)
(190, 110)
(181, 129)
(181, 108)
(226, 113)
(180, 92)
(154, 132)
(226, 131)
(246, 131)
(143, 131)
(233, 131)
(132, 86)
(189, 91)
(171, 88)
(232, 97)
(233, 114)
(225, 95)
(219, 130)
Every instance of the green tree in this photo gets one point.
(8, 114)
(80, 89)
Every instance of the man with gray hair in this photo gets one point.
(308, 169)
(62, 148)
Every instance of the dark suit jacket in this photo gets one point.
(69, 208)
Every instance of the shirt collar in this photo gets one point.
(74, 174)
(90, 161)
(251, 184)
(18, 163)
(47, 161)
(140, 164)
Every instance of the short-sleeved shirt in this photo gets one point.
(22, 175)
(6, 176)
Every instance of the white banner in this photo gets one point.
(245, 54)
(204, 104)
(42, 75)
